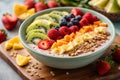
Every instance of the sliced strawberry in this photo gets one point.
(30, 3)
(103, 67)
(74, 28)
(40, 6)
(89, 17)
(44, 44)
(64, 30)
(53, 34)
(76, 12)
(3, 35)
(95, 18)
(83, 22)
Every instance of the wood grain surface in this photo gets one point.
(38, 71)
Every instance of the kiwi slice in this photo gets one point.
(46, 17)
(60, 13)
(39, 24)
(55, 17)
(36, 31)
(35, 37)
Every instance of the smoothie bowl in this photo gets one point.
(67, 37)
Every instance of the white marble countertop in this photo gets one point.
(6, 72)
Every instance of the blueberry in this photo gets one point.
(63, 23)
(72, 19)
(65, 17)
(78, 17)
(70, 24)
(75, 22)
(71, 16)
(56, 27)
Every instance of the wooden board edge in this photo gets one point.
(7, 60)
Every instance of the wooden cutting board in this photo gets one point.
(38, 71)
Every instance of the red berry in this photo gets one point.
(30, 3)
(89, 17)
(59, 37)
(51, 42)
(9, 21)
(84, 22)
(40, 6)
(103, 67)
(44, 44)
(53, 34)
(76, 11)
(2, 35)
(52, 4)
(74, 28)
(95, 18)
(64, 30)
(116, 55)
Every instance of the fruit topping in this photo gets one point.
(78, 18)
(9, 21)
(63, 22)
(71, 16)
(89, 17)
(95, 18)
(64, 30)
(76, 12)
(84, 22)
(53, 34)
(70, 23)
(74, 28)
(3, 35)
(57, 28)
(44, 44)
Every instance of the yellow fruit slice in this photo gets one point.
(8, 45)
(14, 40)
(19, 9)
(27, 14)
(22, 60)
(17, 46)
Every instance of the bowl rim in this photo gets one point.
(65, 57)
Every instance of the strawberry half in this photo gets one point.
(9, 21)
(104, 66)
(3, 35)
(76, 12)
(44, 44)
